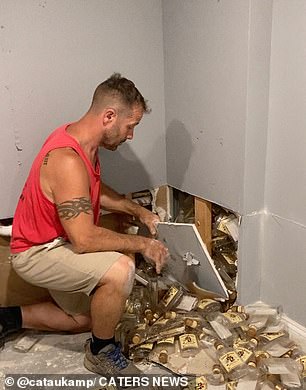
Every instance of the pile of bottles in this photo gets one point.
(224, 246)
(250, 345)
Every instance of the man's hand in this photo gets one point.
(149, 219)
(156, 252)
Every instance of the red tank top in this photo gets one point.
(36, 220)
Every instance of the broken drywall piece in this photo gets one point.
(182, 239)
(27, 342)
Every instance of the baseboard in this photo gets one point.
(295, 329)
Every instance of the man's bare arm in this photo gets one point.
(112, 201)
(69, 184)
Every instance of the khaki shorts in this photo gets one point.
(69, 277)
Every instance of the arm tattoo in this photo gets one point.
(46, 158)
(73, 208)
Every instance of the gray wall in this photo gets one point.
(53, 53)
(216, 91)
(284, 266)
(206, 64)
(235, 76)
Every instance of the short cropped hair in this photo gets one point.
(118, 88)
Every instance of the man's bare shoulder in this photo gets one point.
(60, 168)
(61, 156)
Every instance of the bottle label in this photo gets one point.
(231, 385)
(229, 259)
(271, 336)
(230, 360)
(170, 295)
(244, 353)
(234, 318)
(199, 383)
(187, 341)
(203, 303)
(160, 321)
(146, 346)
(166, 340)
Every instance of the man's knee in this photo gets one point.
(121, 274)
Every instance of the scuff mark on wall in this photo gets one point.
(17, 137)
(18, 144)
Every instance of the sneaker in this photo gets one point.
(109, 361)
(6, 335)
(10, 323)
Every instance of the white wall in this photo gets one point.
(217, 59)
(206, 64)
(235, 76)
(284, 266)
(53, 53)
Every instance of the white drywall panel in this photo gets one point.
(206, 64)
(286, 168)
(284, 268)
(53, 54)
(250, 253)
(284, 265)
(260, 27)
(251, 236)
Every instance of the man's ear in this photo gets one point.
(109, 116)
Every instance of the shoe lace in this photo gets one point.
(117, 357)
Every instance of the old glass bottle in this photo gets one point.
(169, 300)
(188, 344)
(138, 334)
(216, 377)
(141, 351)
(205, 306)
(163, 348)
(230, 361)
